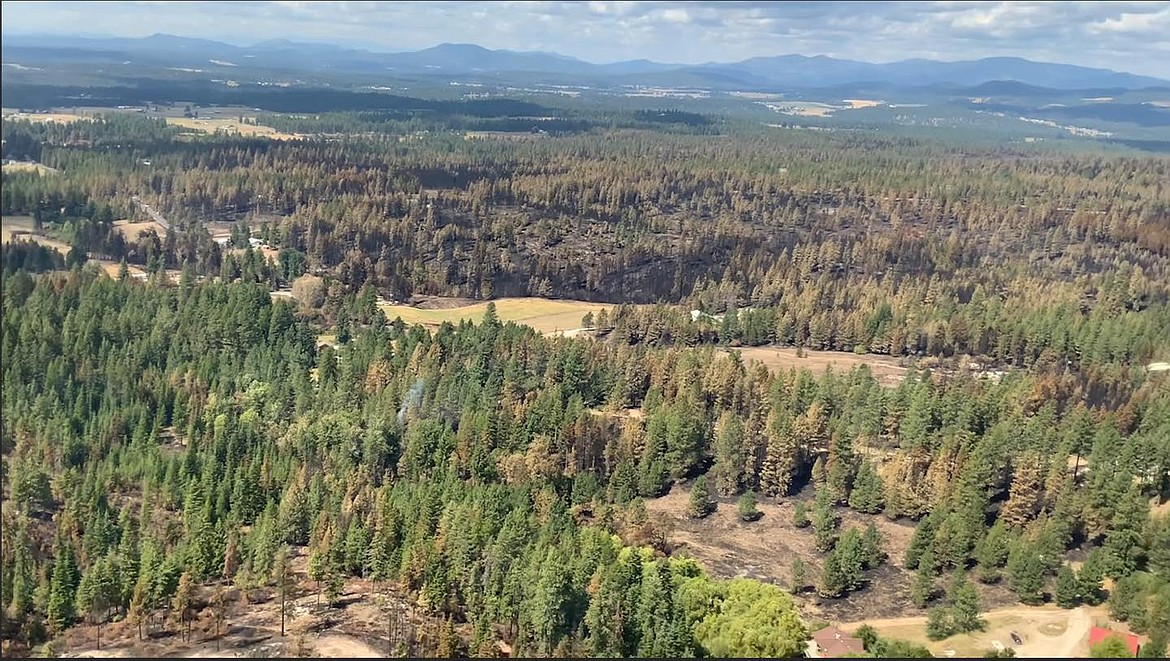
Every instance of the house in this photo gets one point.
(1098, 634)
(833, 643)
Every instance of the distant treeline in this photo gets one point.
(388, 111)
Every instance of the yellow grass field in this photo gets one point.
(22, 226)
(544, 315)
(885, 369)
(28, 167)
(862, 103)
(130, 229)
(60, 117)
(1047, 631)
(10, 225)
(231, 126)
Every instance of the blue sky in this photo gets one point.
(1126, 36)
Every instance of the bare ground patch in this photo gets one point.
(765, 550)
(886, 369)
(130, 229)
(28, 166)
(1046, 631)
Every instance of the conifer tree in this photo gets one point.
(964, 605)
(701, 504)
(867, 495)
(800, 515)
(824, 521)
(1067, 591)
(834, 582)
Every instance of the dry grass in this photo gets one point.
(59, 117)
(1047, 631)
(24, 166)
(543, 314)
(886, 369)
(765, 549)
(354, 627)
(862, 103)
(231, 126)
(130, 229)
(13, 227)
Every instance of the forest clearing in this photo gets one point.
(130, 229)
(1047, 631)
(28, 166)
(231, 125)
(886, 369)
(546, 315)
(22, 227)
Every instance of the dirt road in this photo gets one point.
(1077, 623)
(1064, 645)
(158, 217)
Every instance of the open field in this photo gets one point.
(226, 119)
(886, 369)
(231, 125)
(862, 103)
(543, 314)
(13, 227)
(60, 117)
(1047, 631)
(130, 229)
(28, 166)
(22, 227)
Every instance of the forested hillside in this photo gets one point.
(169, 433)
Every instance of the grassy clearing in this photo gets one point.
(60, 117)
(130, 229)
(22, 227)
(1046, 631)
(25, 166)
(230, 126)
(544, 315)
(885, 369)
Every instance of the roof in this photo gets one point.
(1098, 634)
(837, 643)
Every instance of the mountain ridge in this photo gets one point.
(461, 59)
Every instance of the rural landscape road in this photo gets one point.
(1064, 645)
(158, 217)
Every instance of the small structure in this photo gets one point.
(1098, 634)
(833, 643)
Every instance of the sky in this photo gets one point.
(1124, 36)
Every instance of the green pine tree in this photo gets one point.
(747, 507)
(701, 504)
(1067, 588)
(964, 605)
(834, 581)
(868, 491)
(800, 515)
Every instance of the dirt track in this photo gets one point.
(1028, 621)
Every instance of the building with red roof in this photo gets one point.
(1098, 634)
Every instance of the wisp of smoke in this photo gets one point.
(413, 398)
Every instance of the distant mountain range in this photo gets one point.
(467, 61)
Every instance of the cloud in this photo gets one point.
(1130, 36)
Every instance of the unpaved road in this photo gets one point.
(158, 217)
(1036, 645)
(1064, 645)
